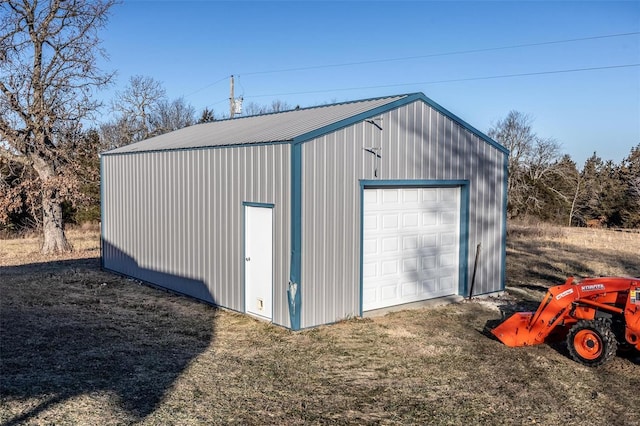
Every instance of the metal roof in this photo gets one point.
(267, 128)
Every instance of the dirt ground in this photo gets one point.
(83, 346)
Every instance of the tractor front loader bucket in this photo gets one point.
(515, 330)
(529, 328)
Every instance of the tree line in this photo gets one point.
(546, 185)
(49, 164)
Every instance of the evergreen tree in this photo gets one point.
(587, 201)
(629, 174)
(206, 116)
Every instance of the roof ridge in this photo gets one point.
(307, 108)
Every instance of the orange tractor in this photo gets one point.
(595, 316)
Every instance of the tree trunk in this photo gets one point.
(573, 203)
(55, 240)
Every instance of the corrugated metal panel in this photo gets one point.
(266, 128)
(416, 142)
(175, 219)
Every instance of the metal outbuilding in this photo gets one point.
(310, 216)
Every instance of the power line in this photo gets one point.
(433, 55)
(455, 80)
(206, 87)
(407, 58)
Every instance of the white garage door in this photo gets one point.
(410, 245)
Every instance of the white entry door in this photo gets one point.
(258, 261)
(411, 245)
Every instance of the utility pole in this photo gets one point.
(232, 100)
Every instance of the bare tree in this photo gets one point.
(514, 132)
(172, 116)
(137, 105)
(47, 73)
(279, 106)
(143, 111)
(253, 108)
(579, 188)
(115, 133)
(532, 160)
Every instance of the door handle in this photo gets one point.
(247, 259)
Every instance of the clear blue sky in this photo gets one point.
(280, 50)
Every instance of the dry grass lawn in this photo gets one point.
(82, 346)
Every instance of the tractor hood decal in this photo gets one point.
(564, 294)
(592, 287)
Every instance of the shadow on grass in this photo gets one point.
(68, 329)
(632, 356)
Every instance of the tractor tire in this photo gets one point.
(592, 343)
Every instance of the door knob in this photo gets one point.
(247, 259)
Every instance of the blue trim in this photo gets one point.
(463, 184)
(362, 186)
(252, 204)
(101, 212)
(436, 183)
(296, 237)
(505, 183)
(295, 302)
(463, 287)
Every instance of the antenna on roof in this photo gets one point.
(235, 104)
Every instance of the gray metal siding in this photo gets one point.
(175, 219)
(417, 143)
